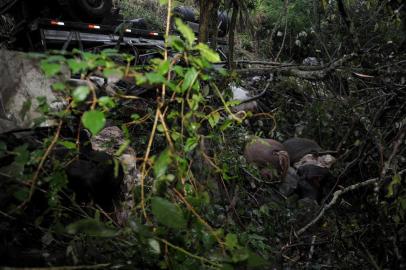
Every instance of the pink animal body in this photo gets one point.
(268, 155)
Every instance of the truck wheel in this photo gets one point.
(89, 10)
(224, 24)
(187, 14)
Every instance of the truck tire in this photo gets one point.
(187, 14)
(88, 10)
(224, 24)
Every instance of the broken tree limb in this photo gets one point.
(258, 62)
(304, 72)
(336, 196)
(373, 181)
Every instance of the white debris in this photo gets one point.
(239, 93)
(324, 161)
(311, 61)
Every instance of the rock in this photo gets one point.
(109, 140)
(22, 82)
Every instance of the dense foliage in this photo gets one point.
(194, 201)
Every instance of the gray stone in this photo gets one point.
(22, 82)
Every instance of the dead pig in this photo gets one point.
(312, 166)
(270, 156)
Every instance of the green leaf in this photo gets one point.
(227, 123)
(50, 69)
(135, 116)
(185, 30)
(160, 128)
(109, 52)
(162, 163)
(154, 245)
(58, 86)
(167, 213)
(191, 144)
(90, 227)
(176, 43)
(395, 181)
(140, 79)
(69, 145)
(163, 2)
(22, 154)
(214, 119)
(76, 66)
(190, 78)
(94, 121)
(55, 58)
(155, 78)
(175, 136)
(231, 241)
(43, 104)
(80, 93)
(207, 53)
(113, 73)
(195, 101)
(173, 115)
(122, 148)
(179, 70)
(240, 255)
(57, 181)
(139, 229)
(163, 67)
(107, 102)
(21, 194)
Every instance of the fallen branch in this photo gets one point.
(373, 181)
(304, 72)
(336, 196)
(258, 62)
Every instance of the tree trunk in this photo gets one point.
(231, 43)
(205, 11)
(213, 31)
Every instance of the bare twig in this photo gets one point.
(311, 251)
(144, 163)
